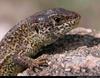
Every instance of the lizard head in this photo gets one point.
(63, 20)
(57, 21)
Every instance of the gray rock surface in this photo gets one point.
(77, 54)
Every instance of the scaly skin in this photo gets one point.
(27, 37)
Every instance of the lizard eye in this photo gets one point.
(57, 19)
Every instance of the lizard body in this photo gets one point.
(27, 37)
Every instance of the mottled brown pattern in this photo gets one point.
(27, 37)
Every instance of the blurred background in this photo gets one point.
(12, 11)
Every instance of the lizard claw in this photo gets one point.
(38, 62)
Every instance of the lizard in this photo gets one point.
(24, 40)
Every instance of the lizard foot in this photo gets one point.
(38, 62)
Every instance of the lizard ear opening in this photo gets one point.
(36, 29)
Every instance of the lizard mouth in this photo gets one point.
(73, 23)
(76, 20)
(66, 27)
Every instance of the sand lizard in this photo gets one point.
(27, 37)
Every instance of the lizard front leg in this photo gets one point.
(26, 61)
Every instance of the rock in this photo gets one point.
(77, 54)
